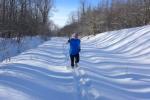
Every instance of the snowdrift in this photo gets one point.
(9, 47)
(114, 66)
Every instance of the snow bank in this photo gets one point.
(10, 47)
(114, 66)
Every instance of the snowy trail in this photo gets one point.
(38, 74)
(114, 66)
(119, 69)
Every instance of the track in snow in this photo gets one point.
(114, 66)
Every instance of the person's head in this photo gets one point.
(75, 35)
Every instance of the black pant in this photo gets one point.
(74, 58)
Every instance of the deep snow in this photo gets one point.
(10, 47)
(114, 66)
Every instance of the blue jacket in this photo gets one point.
(74, 46)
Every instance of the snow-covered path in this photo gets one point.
(38, 74)
(118, 64)
(114, 66)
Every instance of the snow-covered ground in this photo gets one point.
(114, 66)
(10, 47)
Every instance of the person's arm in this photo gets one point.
(68, 41)
(80, 46)
(79, 49)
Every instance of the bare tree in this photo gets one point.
(24, 17)
(110, 15)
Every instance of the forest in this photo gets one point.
(107, 15)
(19, 18)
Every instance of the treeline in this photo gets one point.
(20, 18)
(108, 15)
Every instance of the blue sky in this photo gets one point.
(64, 8)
